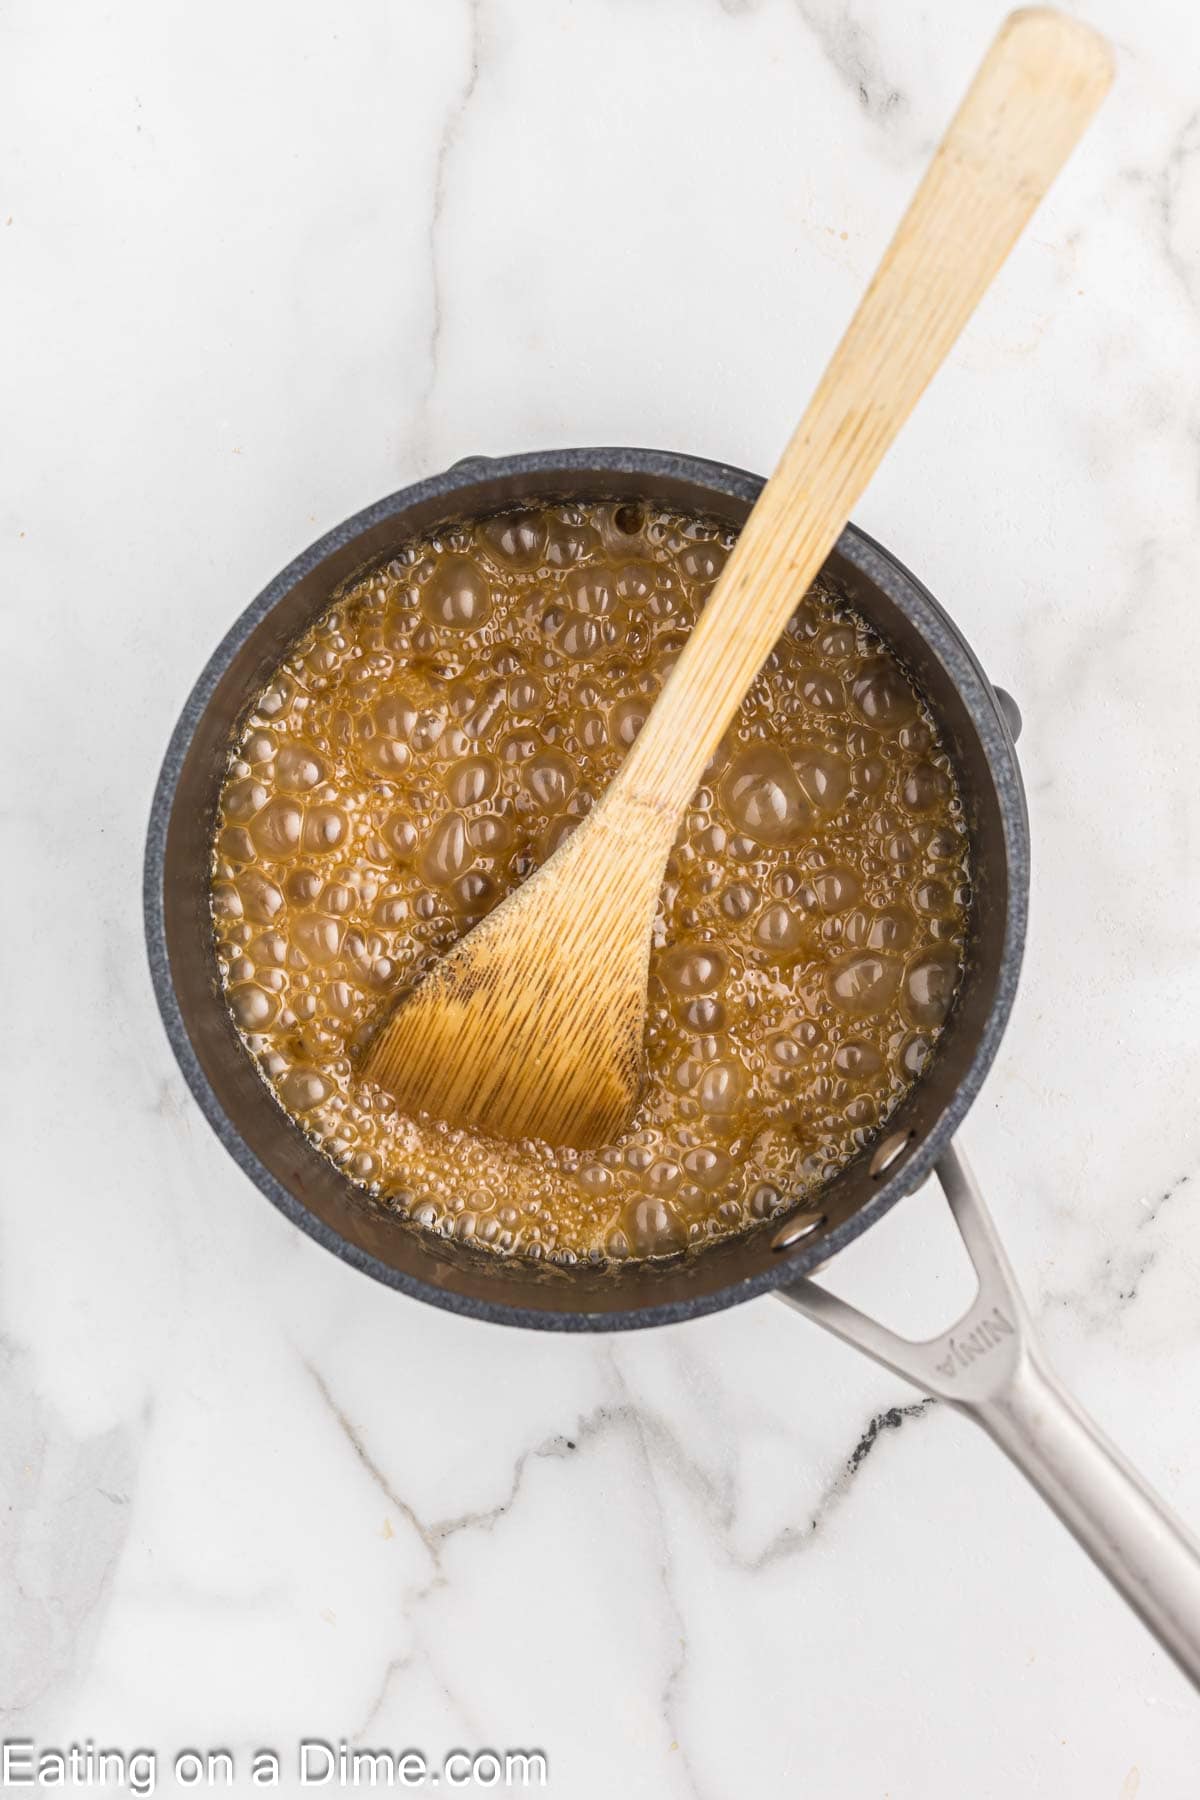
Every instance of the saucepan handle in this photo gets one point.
(989, 1366)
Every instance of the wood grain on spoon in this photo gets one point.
(531, 1027)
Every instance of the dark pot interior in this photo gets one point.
(301, 1181)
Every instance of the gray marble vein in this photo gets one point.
(852, 51)
(67, 1518)
(448, 139)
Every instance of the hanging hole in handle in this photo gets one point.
(889, 1153)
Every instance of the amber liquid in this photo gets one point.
(440, 730)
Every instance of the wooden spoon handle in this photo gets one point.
(1039, 84)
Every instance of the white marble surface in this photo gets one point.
(260, 263)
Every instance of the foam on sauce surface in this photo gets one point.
(434, 736)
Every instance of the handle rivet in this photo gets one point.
(888, 1154)
(800, 1225)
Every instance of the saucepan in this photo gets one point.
(987, 1364)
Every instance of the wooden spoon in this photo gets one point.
(532, 1026)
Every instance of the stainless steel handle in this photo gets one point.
(989, 1365)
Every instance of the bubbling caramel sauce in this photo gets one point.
(432, 739)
